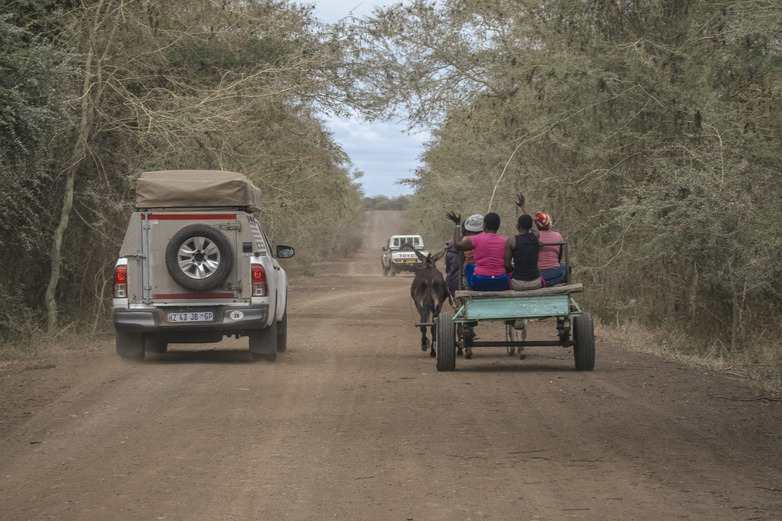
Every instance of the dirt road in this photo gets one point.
(355, 423)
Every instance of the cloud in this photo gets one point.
(383, 151)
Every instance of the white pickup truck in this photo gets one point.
(398, 254)
(196, 266)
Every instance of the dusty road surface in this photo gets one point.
(354, 422)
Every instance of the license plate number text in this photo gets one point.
(200, 316)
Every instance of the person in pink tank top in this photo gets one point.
(488, 272)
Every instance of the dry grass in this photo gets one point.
(761, 364)
(67, 338)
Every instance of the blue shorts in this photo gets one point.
(485, 282)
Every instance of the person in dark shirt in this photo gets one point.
(521, 252)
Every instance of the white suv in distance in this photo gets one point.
(398, 254)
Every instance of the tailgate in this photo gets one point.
(185, 250)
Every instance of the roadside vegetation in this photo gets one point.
(650, 130)
(382, 202)
(92, 93)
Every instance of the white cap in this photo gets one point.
(474, 223)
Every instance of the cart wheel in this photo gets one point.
(584, 337)
(459, 341)
(446, 342)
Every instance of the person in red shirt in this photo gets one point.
(550, 264)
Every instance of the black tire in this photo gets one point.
(263, 343)
(446, 342)
(385, 271)
(282, 333)
(155, 345)
(199, 257)
(393, 271)
(584, 338)
(130, 346)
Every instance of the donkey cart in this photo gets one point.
(455, 330)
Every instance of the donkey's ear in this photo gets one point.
(437, 256)
(418, 254)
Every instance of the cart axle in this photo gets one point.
(525, 343)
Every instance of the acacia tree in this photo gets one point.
(97, 38)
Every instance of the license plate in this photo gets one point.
(201, 316)
(411, 261)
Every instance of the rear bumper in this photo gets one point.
(228, 320)
(406, 266)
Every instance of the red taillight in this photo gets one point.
(121, 282)
(260, 289)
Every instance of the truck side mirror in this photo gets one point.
(285, 252)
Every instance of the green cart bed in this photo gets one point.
(510, 306)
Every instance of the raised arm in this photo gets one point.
(521, 202)
(459, 243)
(457, 220)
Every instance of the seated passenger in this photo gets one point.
(451, 268)
(521, 255)
(456, 261)
(473, 225)
(550, 264)
(488, 271)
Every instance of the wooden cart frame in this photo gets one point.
(473, 307)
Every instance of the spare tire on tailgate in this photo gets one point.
(199, 257)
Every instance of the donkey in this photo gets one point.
(429, 292)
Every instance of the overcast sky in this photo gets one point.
(382, 151)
